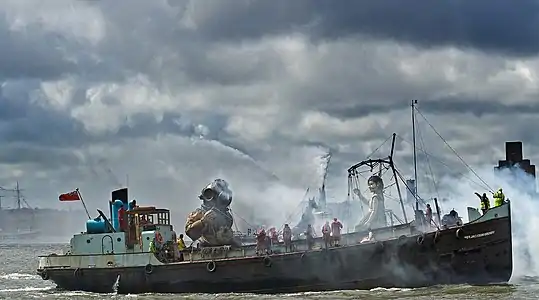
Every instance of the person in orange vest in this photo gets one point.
(261, 242)
(274, 236)
(336, 227)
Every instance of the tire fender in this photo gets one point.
(211, 266)
(148, 269)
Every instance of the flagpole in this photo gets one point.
(83, 204)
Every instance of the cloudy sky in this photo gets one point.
(176, 93)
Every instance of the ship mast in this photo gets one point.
(414, 102)
(18, 196)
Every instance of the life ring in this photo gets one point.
(44, 275)
(420, 240)
(210, 266)
(158, 237)
(458, 233)
(148, 269)
(77, 273)
(267, 261)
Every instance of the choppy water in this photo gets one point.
(17, 281)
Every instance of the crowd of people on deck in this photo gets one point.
(331, 234)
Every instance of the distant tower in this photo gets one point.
(514, 160)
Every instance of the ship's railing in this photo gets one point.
(223, 252)
(205, 253)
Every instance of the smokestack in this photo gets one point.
(119, 198)
(121, 195)
(514, 160)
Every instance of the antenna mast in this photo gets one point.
(18, 196)
(414, 102)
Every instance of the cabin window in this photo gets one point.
(163, 218)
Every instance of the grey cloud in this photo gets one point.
(224, 55)
(23, 120)
(493, 25)
(146, 124)
(478, 107)
(29, 55)
(461, 105)
(37, 157)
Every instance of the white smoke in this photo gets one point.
(323, 162)
(271, 203)
(519, 187)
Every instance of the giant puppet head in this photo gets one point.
(211, 223)
(376, 184)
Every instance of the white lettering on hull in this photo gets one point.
(478, 235)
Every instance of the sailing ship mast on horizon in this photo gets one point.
(18, 196)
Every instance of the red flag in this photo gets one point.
(72, 196)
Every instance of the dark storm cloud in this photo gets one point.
(44, 157)
(32, 52)
(43, 130)
(364, 110)
(25, 121)
(26, 55)
(492, 25)
(476, 107)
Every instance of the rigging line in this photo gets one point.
(462, 160)
(425, 153)
(237, 216)
(421, 140)
(420, 137)
(389, 137)
(446, 165)
(297, 211)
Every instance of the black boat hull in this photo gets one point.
(476, 253)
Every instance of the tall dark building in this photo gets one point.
(514, 159)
